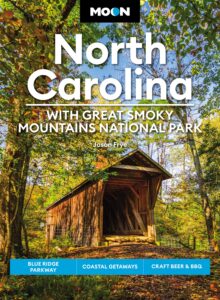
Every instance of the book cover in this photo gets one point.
(109, 149)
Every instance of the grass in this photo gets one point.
(57, 287)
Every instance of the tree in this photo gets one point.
(200, 17)
(208, 148)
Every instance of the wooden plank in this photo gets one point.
(124, 181)
(128, 218)
(117, 214)
(101, 211)
(125, 211)
(153, 228)
(119, 222)
(148, 216)
(129, 174)
(137, 168)
(155, 184)
(134, 191)
(137, 216)
(112, 224)
(125, 233)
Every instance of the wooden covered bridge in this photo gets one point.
(122, 205)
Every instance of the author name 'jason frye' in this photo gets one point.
(110, 145)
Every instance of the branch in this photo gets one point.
(28, 17)
(66, 11)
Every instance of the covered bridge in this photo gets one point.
(121, 205)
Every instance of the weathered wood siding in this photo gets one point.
(78, 216)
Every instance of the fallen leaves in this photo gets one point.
(157, 287)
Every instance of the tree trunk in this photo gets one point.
(207, 210)
(13, 183)
(205, 201)
(25, 239)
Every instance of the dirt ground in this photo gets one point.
(157, 287)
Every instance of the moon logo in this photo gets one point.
(115, 11)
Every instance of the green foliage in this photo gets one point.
(197, 16)
(178, 212)
(182, 220)
(57, 287)
(209, 150)
(63, 243)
